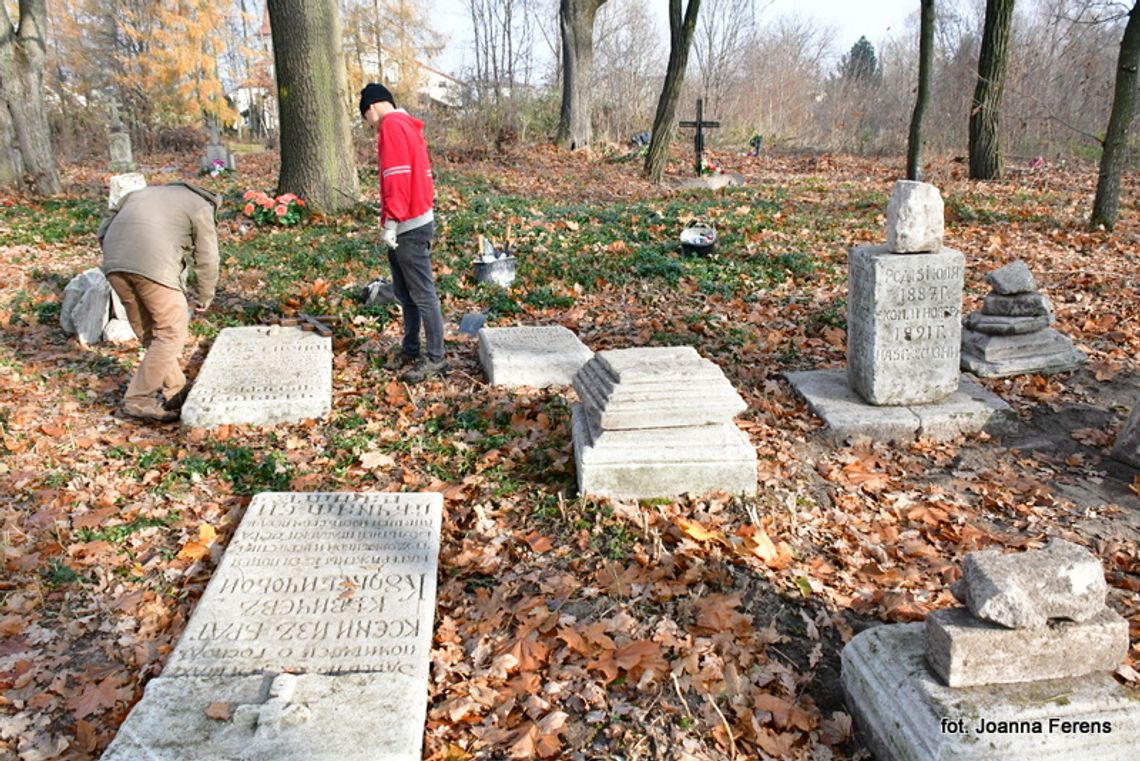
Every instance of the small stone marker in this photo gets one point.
(959, 687)
(1010, 334)
(1127, 446)
(218, 156)
(533, 355)
(657, 422)
(311, 641)
(122, 158)
(262, 376)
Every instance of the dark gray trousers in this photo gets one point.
(414, 286)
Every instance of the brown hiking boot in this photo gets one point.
(425, 369)
(152, 411)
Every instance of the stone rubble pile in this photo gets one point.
(1010, 334)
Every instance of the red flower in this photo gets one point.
(281, 210)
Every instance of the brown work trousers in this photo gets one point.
(160, 318)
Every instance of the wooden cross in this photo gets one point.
(699, 138)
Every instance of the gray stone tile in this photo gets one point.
(538, 356)
(1012, 279)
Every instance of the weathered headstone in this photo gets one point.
(1010, 334)
(122, 158)
(657, 422)
(1127, 446)
(904, 303)
(311, 641)
(262, 375)
(532, 355)
(218, 157)
(959, 687)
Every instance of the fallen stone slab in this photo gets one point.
(1005, 326)
(662, 462)
(970, 409)
(1012, 279)
(533, 355)
(1022, 305)
(1127, 446)
(915, 218)
(964, 651)
(1027, 589)
(1044, 364)
(261, 376)
(907, 715)
(311, 641)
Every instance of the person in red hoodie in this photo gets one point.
(406, 197)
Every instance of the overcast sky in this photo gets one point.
(874, 19)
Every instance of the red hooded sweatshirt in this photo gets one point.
(406, 187)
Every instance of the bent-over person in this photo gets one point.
(151, 242)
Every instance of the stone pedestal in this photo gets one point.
(906, 714)
(310, 643)
(261, 376)
(657, 422)
(535, 356)
(903, 324)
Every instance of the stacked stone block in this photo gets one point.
(904, 306)
(531, 355)
(1021, 671)
(657, 422)
(1010, 334)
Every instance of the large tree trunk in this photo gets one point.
(1115, 155)
(925, 63)
(316, 157)
(680, 40)
(26, 158)
(576, 19)
(985, 153)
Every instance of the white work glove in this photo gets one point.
(389, 235)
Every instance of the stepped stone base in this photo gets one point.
(662, 462)
(906, 714)
(1044, 351)
(968, 410)
(537, 356)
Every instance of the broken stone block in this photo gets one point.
(1012, 279)
(531, 355)
(1027, 589)
(1021, 305)
(964, 651)
(993, 348)
(86, 306)
(118, 331)
(1127, 447)
(914, 218)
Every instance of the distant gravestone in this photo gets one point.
(261, 376)
(218, 157)
(531, 355)
(122, 157)
(311, 641)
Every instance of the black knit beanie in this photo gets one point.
(374, 93)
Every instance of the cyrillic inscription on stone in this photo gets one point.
(320, 583)
(904, 324)
(262, 375)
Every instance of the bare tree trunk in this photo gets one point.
(985, 151)
(316, 157)
(576, 18)
(680, 40)
(1115, 155)
(26, 157)
(925, 63)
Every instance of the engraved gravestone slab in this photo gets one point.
(531, 355)
(262, 375)
(904, 324)
(320, 583)
(311, 642)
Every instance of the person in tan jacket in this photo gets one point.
(152, 239)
